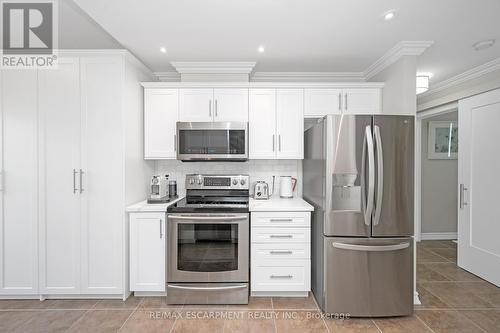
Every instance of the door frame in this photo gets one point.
(439, 110)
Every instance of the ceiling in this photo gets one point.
(301, 35)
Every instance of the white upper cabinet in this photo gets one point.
(290, 123)
(262, 124)
(196, 105)
(321, 102)
(161, 112)
(147, 252)
(231, 105)
(362, 101)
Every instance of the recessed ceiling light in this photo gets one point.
(422, 84)
(389, 15)
(163, 49)
(261, 49)
(484, 44)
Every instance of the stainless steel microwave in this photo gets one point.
(212, 141)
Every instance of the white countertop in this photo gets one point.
(277, 204)
(143, 206)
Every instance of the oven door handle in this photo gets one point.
(207, 218)
(207, 288)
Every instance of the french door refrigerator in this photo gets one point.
(358, 175)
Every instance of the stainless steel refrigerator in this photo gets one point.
(358, 174)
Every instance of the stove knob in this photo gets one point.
(191, 181)
(242, 182)
(200, 181)
(235, 181)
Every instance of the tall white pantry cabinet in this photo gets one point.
(71, 161)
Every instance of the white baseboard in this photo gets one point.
(438, 235)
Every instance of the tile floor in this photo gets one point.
(453, 300)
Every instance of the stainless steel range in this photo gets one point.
(208, 242)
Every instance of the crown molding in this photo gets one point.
(307, 76)
(213, 67)
(403, 48)
(170, 76)
(471, 74)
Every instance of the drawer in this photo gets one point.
(274, 251)
(280, 235)
(281, 219)
(289, 275)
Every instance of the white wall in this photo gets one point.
(256, 169)
(439, 186)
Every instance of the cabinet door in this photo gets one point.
(161, 112)
(147, 252)
(290, 123)
(59, 135)
(196, 105)
(231, 105)
(262, 124)
(362, 101)
(102, 179)
(19, 180)
(321, 102)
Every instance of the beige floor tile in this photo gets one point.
(402, 325)
(492, 298)
(450, 254)
(131, 303)
(157, 303)
(11, 321)
(425, 256)
(488, 320)
(66, 304)
(51, 321)
(300, 322)
(352, 325)
(28, 304)
(248, 322)
(429, 300)
(290, 303)
(254, 303)
(192, 321)
(149, 321)
(447, 321)
(434, 244)
(452, 272)
(457, 294)
(426, 274)
(101, 321)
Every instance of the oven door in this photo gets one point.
(206, 141)
(208, 247)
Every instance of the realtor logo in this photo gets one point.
(28, 33)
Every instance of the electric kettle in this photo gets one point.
(287, 186)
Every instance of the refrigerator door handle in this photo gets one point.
(371, 248)
(380, 175)
(367, 202)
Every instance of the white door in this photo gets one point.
(290, 123)
(320, 102)
(102, 182)
(231, 105)
(362, 101)
(262, 124)
(161, 112)
(196, 105)
(18, 182)
(478, 165)
(59, 137)
(147, 252)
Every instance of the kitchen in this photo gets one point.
(211, 194)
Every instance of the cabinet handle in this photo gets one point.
(175, 142)
(281, 220)
(81, 180)
(216, 108)
(74, 181)
(280, 236)
(272, 276)
(340, 101)
(462, 196)
(161, 229)
(273, 143)
(346, 101)
(210, 108)
(279, 142)
(281, 252)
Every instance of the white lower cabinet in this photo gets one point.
(280, 253)
(147, 252)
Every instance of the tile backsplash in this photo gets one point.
(256, 169)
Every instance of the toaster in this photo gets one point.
(261, 190)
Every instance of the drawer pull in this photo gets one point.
(281, 220)
(280, 252)
(280, 236)
(281, 276)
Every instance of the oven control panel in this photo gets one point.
(217, 182)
